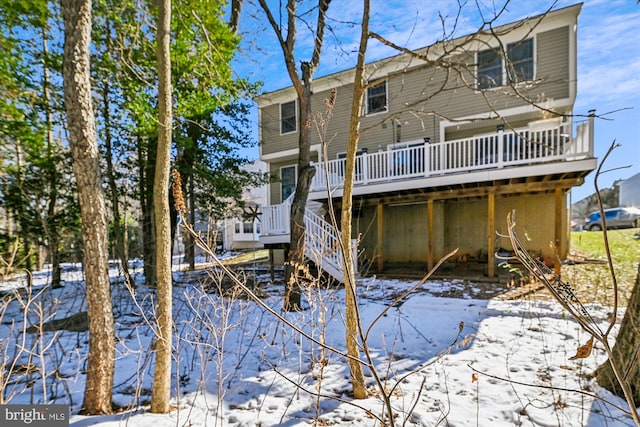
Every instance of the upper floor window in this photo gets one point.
(377, 98)
(520, 61)
(493, 72)
(288, 117)
(489, 69)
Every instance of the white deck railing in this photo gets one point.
(276, 219)
(322, 242)
(323, 245)
(418, 159)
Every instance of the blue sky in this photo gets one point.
(608, 57)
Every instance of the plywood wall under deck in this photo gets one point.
(461, 224)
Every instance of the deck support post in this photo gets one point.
(491, 228)
(380, 229)
(430, 236)
(272, 269)
(557, 266)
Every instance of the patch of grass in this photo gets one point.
(624, 246)
(259, 255)
(592, 280)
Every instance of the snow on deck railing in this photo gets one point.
(543, 141)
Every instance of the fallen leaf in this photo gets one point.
(474, 377)
(584, 351)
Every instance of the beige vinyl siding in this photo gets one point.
(553, 62)
(272, 141)
(414, 96)
(275, 188)
(489, 126)
(338, 130)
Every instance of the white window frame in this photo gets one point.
(386, 99)
(295, 114)
(505, 74)
(533, 61)
(500, 58)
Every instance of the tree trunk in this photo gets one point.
(234, 20)
(86, 167)
(147, 166)
(54, 255)
(50, 222)
(351, 300)
(24, 231)
(190, 245)
(161, 392)
(185, 164)
(118, 229)
(295, 254)
(626, 351)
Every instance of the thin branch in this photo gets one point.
(548, 387)
(605, 237)
(180, 207)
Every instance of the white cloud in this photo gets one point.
(609, 55)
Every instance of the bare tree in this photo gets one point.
(161, 392)
(302, 84)
(234, 19)
(351, 302)
(86, 167)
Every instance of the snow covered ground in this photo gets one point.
(465, 361)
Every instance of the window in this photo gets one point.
(520, 61)
(377, 98)
(287, 181)
(288, 122)
(244, 227)
(492, 72)
(489, 69)
(247, 227)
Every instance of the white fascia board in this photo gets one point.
(525, 28)
(289, 153)
(287, 94)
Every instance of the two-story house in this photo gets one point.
(485, 126)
